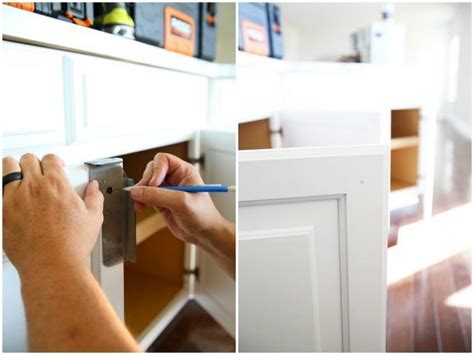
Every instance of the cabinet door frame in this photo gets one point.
(215, 290)
(357, 176)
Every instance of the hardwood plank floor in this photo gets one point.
(425, 337)
(193, 330)
(429, 309)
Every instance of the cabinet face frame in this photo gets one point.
(214, 289)
(357, 176)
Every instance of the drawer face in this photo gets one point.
(33, 102)
(114, 98)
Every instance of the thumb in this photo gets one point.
(156, 197)
(93, 198)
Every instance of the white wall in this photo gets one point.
(321, 32)
(459, 112)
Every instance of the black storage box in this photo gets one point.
(275, 31)
(253, 28)
(173, 26)
(80, 13)
(208, 33)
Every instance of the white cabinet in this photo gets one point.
(311, 127)
(148, 294)
(84, 107)
(114, 97)
(32, 108)
(215, 291)
(312, 249)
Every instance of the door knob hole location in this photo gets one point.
(109, 190)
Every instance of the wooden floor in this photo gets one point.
(193, 330)
(429, 262)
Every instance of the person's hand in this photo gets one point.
(45, 222)
(191, 217)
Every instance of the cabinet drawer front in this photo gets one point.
(116, 98)
(33, 103)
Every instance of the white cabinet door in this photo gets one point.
(311, 128)
(114, 98)
(312, 245)
(32, 103)
(215, 290)
(110, 278)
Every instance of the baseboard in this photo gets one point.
(460, 127)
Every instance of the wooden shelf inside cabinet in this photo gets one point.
(404, 142)
(149, 222)
(397, 184)
(255, 134)
(154, 280)
(145, 298)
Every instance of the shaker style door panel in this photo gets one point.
(313, 226)
(289, 266)
(116, 98)
(32, 107)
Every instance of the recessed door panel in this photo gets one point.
(290, 275)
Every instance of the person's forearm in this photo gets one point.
(220, 245)
(67, 311)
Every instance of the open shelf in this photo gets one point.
(154, 280)
(404, 149)
(255, 135)
(404, 168)
(28, 27)
(404, 142)
(405, 123)
(396, 184)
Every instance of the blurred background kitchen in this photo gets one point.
(373, 73)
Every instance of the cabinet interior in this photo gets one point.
(255, 135)
(157, 276)
(404, 148)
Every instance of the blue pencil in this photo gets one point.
(196, 188)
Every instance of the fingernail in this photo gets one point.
(95, 184)
(136, 192)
